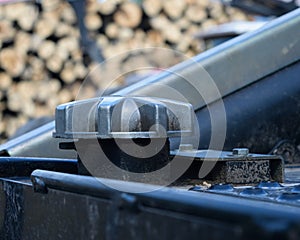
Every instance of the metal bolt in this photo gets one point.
(240, 151)
(186, 147)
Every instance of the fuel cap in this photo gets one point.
(123, 117)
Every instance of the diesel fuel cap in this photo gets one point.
(131, 132)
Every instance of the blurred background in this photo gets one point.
(42, 63)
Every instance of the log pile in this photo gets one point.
(42, 65)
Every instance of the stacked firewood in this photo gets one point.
(41, 62)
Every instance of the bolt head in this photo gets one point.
(240, 151)
(186, 147)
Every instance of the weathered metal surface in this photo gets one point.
(247, 171)
(231, 168)
(67, 206)
(286, 193)
(155, 213)
(90, 153)
(99, 218)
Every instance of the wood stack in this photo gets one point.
(41, 63)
